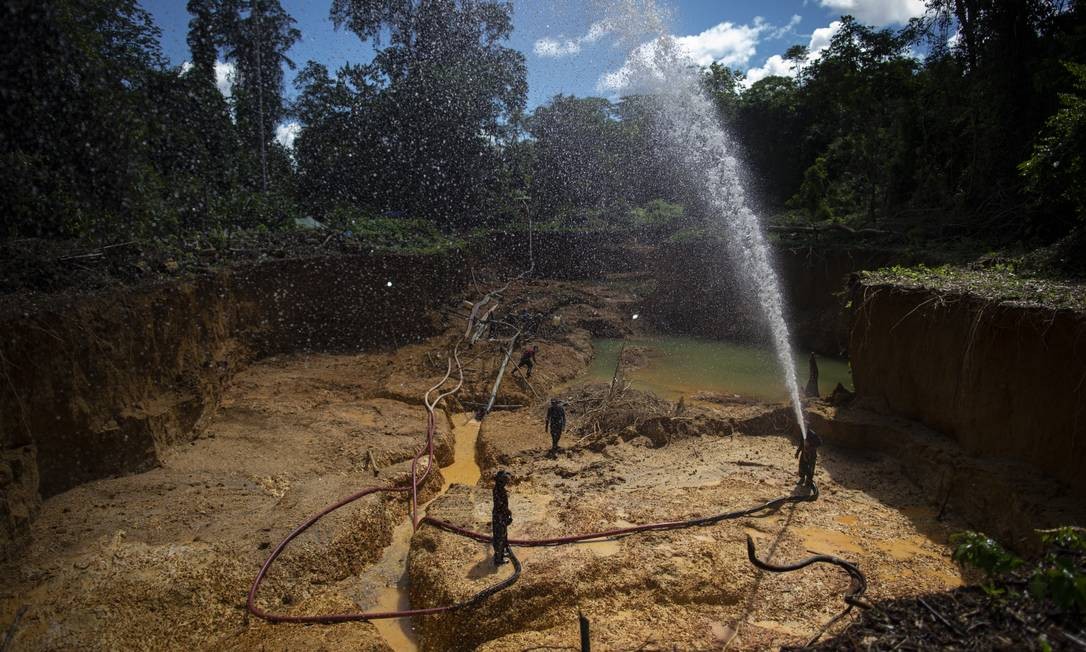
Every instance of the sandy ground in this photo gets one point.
(163, 559)
(692, 588)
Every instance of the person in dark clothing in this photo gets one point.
(807, 452)
(812, 380)
(556, 423)
(500, 517)
(527, 360)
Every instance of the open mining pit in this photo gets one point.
(145, 486)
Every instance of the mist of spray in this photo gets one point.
(690, 129)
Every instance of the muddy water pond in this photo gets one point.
(674, 366)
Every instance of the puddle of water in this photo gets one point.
(601, 548)
(388, 579)
(399, 633)
(828, 541)
(949, 580)
(464, 469)
(902, 549)
(681, 366)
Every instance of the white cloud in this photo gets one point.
(878, 12)
(596, 31)
(775, 65)
(778, 65)
(552, 47)
(726, 43)
(549, 47)
(781, 32)
(286, 133)
(225, 73)
(820, 39)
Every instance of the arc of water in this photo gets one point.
(691, 129)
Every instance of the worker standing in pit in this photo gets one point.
(812, 380)
(807, 452)
(527, 360)
(556, 423)
(500, 517)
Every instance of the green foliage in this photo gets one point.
(1056, 171)
(984, 553)
(998, 281)
(1065, 538)
(389, 233)
(980, 142)
(1061, 581)
(256, 35)
(657, 213)
(1059, 576)
(867, 134)
(723, 86)
(420, 128)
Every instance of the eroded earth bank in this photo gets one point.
(163, 558)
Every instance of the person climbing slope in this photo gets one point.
(556, 423)
(807, 452)
(500, 517)
(527, 359)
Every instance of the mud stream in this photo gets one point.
(391, 569)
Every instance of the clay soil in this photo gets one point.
(692, 588)
(164, 559)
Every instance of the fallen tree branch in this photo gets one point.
(940, 617)
(373, 463)
(501, 373)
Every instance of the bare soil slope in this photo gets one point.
(692, 588)
(163, 559)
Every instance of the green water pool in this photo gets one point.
(678, 366)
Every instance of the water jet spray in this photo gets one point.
(695, 140)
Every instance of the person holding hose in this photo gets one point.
(500, 517)
(556, 423)
(807, 452)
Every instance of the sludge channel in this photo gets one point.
(164, 558)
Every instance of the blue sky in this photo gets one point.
(570, 48)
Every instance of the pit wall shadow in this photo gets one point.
(1005, 499)
(698, 292)
(1003, 381)
(98, 386)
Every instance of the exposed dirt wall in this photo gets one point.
(1004, 380)
(99, 386)
(699, 293)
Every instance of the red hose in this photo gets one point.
(633, 529)
(428, 448)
